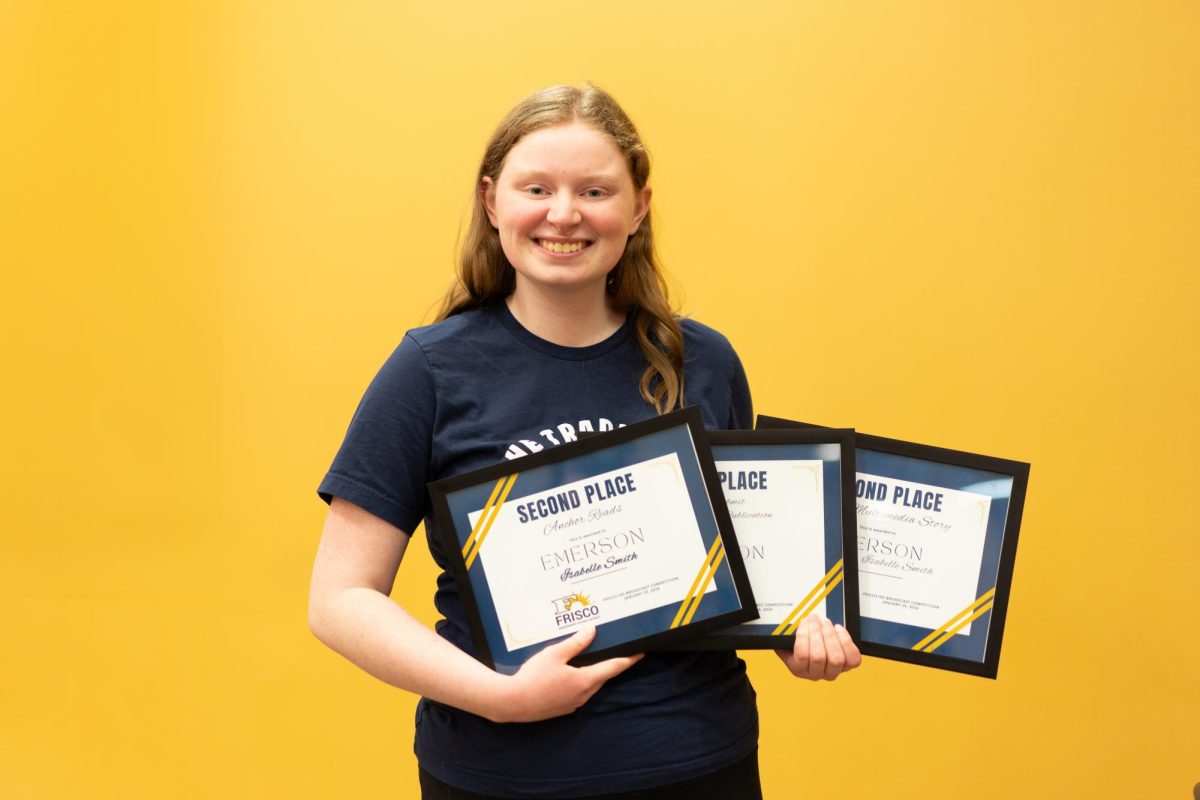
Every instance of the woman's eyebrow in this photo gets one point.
(540, 174)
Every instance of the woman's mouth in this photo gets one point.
(562, 247)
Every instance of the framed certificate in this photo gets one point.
(790, 494)
(937, 539)
(625, 530)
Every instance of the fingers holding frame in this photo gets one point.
(822, 650)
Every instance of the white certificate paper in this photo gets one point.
(778, 514)
(592, 551)
(919, 550)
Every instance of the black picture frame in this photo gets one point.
(720, 594)
(837, 588)
(970, 641)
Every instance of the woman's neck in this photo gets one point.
(568, 318)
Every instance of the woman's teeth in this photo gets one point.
(562, 247)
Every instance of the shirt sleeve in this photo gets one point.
(384, 462)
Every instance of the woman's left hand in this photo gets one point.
(822, 650)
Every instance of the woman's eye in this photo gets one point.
(594, 193)
(537, 191)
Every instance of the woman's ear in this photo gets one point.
(640, 210)
(487, 193)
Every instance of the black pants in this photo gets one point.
(738, 781)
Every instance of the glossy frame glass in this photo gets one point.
(469, 505)
(900, 486)
(809, 519)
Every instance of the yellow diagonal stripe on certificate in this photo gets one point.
(813, 606)
(827, 584)
(948, 635)
(485, 520)
(712, 570)
(966, 612)
(483, 516)
(705, 573)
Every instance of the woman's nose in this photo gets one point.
(563, 212)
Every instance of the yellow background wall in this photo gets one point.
(969, 224)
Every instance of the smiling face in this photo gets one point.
(564, 205)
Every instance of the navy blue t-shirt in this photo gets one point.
(473, 390)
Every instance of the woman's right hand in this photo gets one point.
(548, 686)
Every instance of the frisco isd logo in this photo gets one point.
(573, 608)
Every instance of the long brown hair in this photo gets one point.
(635, 285)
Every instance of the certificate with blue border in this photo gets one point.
(937, 541)
(626, 530)
(790, 496)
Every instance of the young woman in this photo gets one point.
(559, 324)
